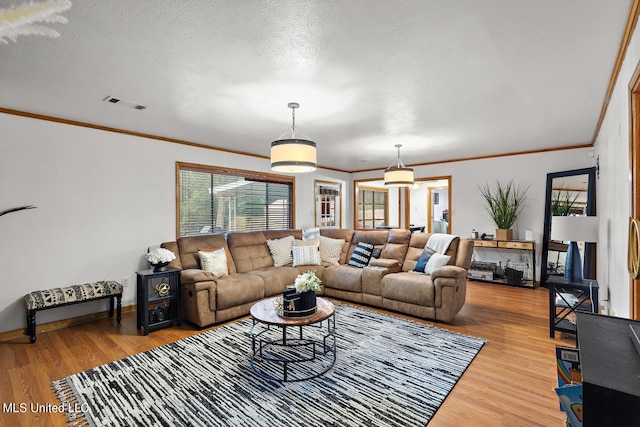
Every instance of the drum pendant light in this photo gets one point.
(398, 175)
(293, 152)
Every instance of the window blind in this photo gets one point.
(219, 200)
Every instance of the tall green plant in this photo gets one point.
(505, 202)
(562, 202)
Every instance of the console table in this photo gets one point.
(610, 370)
(511, 245)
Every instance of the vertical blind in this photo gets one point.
(215, 200)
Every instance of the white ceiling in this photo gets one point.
(448, 79)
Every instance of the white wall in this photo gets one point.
(102, 198)
(466, 207)
(614, 188)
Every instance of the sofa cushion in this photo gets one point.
(238, 289)
(306, 255)
(331, 249)
(311, 234)
(190, 246)
(281, 250)
(361, 255)
(215, 261)
(436, 261)
(412, 288)
(343, 277)
(397, 244)
(418, 242)
(424, 259)
(249, 250)
(276, 279)
(340, 233)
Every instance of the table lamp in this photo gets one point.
(574, 229)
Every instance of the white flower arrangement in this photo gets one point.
(307, 282)
(159, 255)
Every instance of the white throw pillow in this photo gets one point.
(331, 249)
(437, 260)
(306, 255)
(281, 250)
(314, 243)
(311, 234)
(214, 262)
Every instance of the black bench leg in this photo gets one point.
(119, 309)
(111, 306)
(31, 325)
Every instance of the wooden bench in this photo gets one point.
(59, 297)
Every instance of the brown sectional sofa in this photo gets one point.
(387, 282)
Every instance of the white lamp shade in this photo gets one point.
(293, 155)
(398, 177)
(574, 228)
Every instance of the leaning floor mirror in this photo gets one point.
(568, 193)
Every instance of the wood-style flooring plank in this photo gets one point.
(510, 383)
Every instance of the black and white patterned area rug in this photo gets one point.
(389, 372)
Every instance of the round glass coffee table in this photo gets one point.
(279, 353)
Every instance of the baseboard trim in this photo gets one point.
(64, 323)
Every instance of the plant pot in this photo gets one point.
(504, 234)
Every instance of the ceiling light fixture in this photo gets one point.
(27, 18)
(293, 153)
(398, 175)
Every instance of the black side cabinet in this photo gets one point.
(568, 298)
(158, 304)
(610, 371)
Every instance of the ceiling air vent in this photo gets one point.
(124, 103)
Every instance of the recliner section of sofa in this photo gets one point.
(387, 282)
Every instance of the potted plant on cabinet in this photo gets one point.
(504, 202)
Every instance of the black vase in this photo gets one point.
(160, 266)
(298, 305)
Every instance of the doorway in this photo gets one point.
(429, 205)
(634, 148)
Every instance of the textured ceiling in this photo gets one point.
(448, 79)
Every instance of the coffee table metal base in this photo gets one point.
(282, 353)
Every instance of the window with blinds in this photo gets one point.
(212, 199)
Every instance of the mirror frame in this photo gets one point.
(589, 251)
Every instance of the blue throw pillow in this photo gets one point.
(424, 259)
(361, 255)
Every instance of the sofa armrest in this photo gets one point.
(450, 271)
(385, 262)
(450, 284)
(196, 275)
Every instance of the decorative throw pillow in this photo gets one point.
(331, 249)
(437, 260)
(306, 255)
(361, 255)
(311, 234)
(214, 261)
(424, 259)
(315, 243)
(281, 250)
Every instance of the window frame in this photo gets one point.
(358, 206)
(254, 175)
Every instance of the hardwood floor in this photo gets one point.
(510, 383)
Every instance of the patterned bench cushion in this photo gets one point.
(52, 297)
